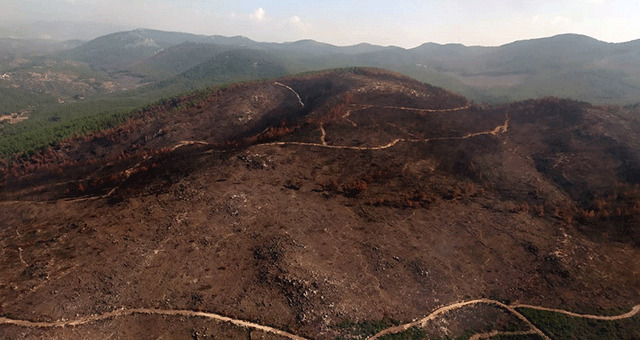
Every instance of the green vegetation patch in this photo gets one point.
(413, 333)
(365, 329)
(560, 326)
(48, 125)
(14, 100)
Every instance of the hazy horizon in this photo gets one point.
(408, 24)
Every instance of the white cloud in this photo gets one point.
(295, 20)
(298, 23)
(259, 15)
(597, 2)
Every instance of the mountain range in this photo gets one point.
(569, 65)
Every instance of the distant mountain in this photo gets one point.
(236, 65)
(174, 60)
(118, 50)
(569, 65)
(309, 46)
(238, 40)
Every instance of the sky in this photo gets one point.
(401, 23)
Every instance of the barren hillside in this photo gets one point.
(330, 205)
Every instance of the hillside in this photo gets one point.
(174, 60)
(236, 65)
(325, 206)
(117, 50)
(569, 66)
(76, 86)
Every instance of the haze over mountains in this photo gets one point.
(60, 30)
(569, 65)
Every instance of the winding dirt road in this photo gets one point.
(127, 312)
(635, 310)
(396, 329)
(510, 308)
(422, 322)
(364, 107)
(497, 130)
(292, 90)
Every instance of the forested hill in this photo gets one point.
(569, 65)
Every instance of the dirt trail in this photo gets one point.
(188, 142)
(635, 310)
(292, 90)
(417, 109)
(126, 312)
(497, 130)
(323, 136)
(455, 306)
(396, 329)
(510, 308)
(381, 147)
(346, 116)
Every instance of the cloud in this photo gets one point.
(597, 2)
(259, 15)
(296, 22)
(260, 18)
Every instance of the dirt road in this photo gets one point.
(396, 329)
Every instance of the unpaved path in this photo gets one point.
(126, 312)
(510, 308)
(381, 147)
(635, 310)
(323, 136)
(396, 329)
(188, 142)
(364, 107)
(497, 130)
(445, 309)
(292, 90)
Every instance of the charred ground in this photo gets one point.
(345, 195)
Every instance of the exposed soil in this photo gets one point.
(380, 197)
